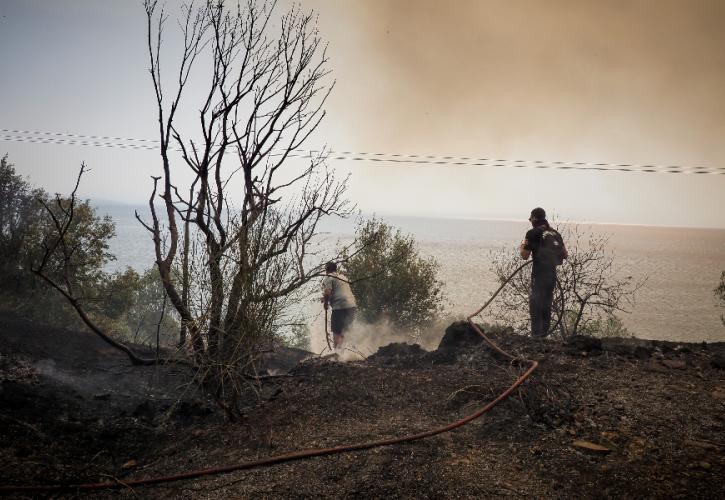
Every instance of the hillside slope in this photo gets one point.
(75, 411)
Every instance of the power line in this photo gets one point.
(77, 142)
(80, 136)
(539, 164)
(70, 139)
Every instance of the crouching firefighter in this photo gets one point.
(549, 251)
(338, 296)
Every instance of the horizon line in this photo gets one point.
(101, 201)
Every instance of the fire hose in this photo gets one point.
(309, 453)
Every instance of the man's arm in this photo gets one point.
(524, 251)
(326, 291)
(529, 243)
(326, 295)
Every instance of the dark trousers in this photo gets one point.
(540, 300)
(342, 320)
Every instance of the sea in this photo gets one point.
(681, 266)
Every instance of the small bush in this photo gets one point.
(601, 327)
(391, 280)
(589, 290)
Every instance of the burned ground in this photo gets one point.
(597, 419)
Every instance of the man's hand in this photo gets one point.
(523, 251)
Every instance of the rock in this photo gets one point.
(592, 447)
(675, 364)
(460, 334)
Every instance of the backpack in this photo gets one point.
(552, 249)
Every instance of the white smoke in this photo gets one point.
(364, 339)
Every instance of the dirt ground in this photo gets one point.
(617, 418)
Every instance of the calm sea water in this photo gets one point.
(682, 266)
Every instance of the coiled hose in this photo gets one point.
(302, 454)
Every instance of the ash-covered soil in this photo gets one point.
(617, 418)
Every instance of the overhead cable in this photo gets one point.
(71, 139)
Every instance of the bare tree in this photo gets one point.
(251, 212)
(589, 289)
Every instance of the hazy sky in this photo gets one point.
(556, 80)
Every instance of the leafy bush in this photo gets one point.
(20, 216)
(127, 304)
(391, 280)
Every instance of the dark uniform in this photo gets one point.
(543, 281)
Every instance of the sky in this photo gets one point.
(634, 82)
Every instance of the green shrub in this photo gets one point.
(126, 304)
(20, 222)
(391, 280)
(604, 326)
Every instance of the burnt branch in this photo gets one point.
(58, 251)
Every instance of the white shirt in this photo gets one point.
(341, 296)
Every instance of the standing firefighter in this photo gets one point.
(549, 251)
(338, 295)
